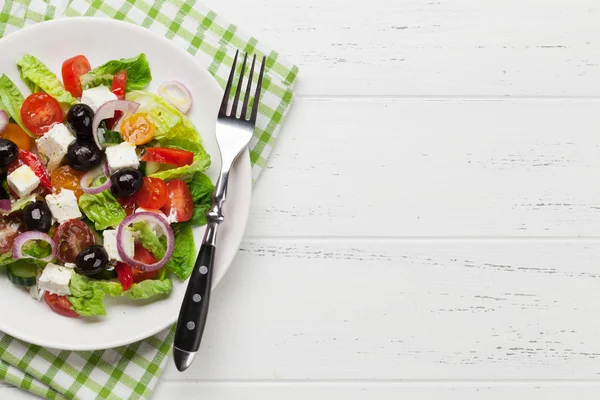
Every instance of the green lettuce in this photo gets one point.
(38, 77)
(201, 188)
(103, 209)
(150, 287)
(200, 164)
(37, 249)
(12, 99)
(149, 240)
(138, 73)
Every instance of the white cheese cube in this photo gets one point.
(63, 206)
(55, 279)
(54, 144)
(110, 244)
(23, 180)
(70, 265)
(122, 156)
(97, 96)
(35, 292)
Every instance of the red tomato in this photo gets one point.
(179, 201)
(72, 70)
(11, 226)
(37, 167)
(60, 305)
(119, 84)
(153, 194)
(168, 156)
(71, 237)
(128, 204)
(40, 112)
(143, 255)
(125, 274)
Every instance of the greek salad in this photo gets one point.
(101, 183)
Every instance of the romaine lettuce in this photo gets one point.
(38, 77)
(150, 287)
(12, 100)
(138, 73)
(103, 209)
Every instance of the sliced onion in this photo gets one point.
(177, 94)
(17, 250)
(88, 178)
(3, 120)
(161, 222)
(5, 205)
(107, 110)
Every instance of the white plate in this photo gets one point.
(102, 40)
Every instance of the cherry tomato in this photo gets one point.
(18, 136)
(125, 275)
(71, 237)
(119, 84)
(60, 305)
(66, 177)
(128, 204)
(153, 194)
(37, 167)
(11, 226)
(143, 255)
(166, 155)
(40, 112)
(138, 128)
(72, 70)
(179, 201)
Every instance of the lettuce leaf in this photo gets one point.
(151, 287)
(103, 209)
(138, 73)
(201, 188)
(37, 249)
(12, 100)
(38, 77)
(149, 240)
(184, 256)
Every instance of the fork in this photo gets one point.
(233, 135)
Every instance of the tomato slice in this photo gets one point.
(179, 201)
(119, 84)
(71, 237)
(143, 255)
(66, 177)
(125, 275)
(11, 226)
(72, 70)
(37, 167)
(60, 305)
(138, 128)
(128, 204)
(16, 134)
(166, 155)
(153, 194)
(40, 112)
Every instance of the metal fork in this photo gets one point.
(233, 134)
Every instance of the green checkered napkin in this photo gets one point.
(131, 372)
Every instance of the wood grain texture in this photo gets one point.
(455, 168)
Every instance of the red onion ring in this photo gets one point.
(5, 205)
(17, 250)
(88, 178)
(177, 94)
(107, 110)
(3, 120)
(145, 217)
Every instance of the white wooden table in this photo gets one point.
(429, 225)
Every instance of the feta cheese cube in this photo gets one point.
(122, 156)
(23, 180)
(35, 292)
(70, 265)
(110, 244)
(54, 144)
(97, 96)
(63, 206)
(55, 279)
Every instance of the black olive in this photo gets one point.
(37, 217)
(126, 182)
(84, 155)
(80, 118)
(91, 260)
(9, 152)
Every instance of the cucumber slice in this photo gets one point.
(22, 274)
(153, 167)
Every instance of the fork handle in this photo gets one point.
(194, 309)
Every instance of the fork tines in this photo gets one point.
(236, 99)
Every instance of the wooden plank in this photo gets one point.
(433, 168)
(449, 47)
(370, 390)
(404, 310)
